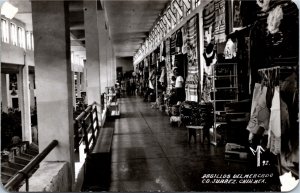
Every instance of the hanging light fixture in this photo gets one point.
(8, 10)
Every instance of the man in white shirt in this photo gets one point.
(179, 85)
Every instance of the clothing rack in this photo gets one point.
(267, 75)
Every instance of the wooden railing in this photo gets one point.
(14, 183)
(86, 129)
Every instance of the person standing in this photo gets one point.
(179, 86)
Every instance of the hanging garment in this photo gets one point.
(179, 41)
(191, 84)
(274, 19)
(260, 114)
(168, 65)
(161, 50)
(162, 76)
(237, 21)
(230, 49)
(220, 21)
(151, 79)
(191, 87)
(263, 4)
(207, 88)
(274, 133)
(173, 44)
(184, 30)
(208, 22)
(192, 41)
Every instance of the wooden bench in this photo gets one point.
(98, 162)
(97, 143)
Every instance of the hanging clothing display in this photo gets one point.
(192, 79)
(220, 21)
(179, 42)
(207, 88)
(274, 133)
(260, 115)
(184, 39)
(208, 23)
(209, 55)
(163, 75)
(168, 65)
(230, 49)
(162, 51)
(173, 44)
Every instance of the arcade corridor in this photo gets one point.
(226, 70)
(148, 154)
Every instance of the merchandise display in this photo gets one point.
(240, 80)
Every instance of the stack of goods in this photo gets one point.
(235, 152)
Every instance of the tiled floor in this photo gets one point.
(150, 155)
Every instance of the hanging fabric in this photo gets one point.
(162, 76)
(274, 133)
(173, 44)
(184, 38)
(230, 49)
(220, 21)
(161, 56)
(192, 80)
(260, 115)
(168, 65)
(207, 88)
(179, 42)
(208, 23)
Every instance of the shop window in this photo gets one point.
(5, 31)
(13, 34)
(21, 37)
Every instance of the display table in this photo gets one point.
(192, 131)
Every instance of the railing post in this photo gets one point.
(85, 137)
(98, 129)
(93, 129)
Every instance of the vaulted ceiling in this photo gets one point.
(129, 21)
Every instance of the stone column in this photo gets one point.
(114, 68)
(54, 80)
(92, 64)
(73, 91)
(103, 51)
(6, 103)
(24, 101)
(31, 88)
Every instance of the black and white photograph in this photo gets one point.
(149, 95)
